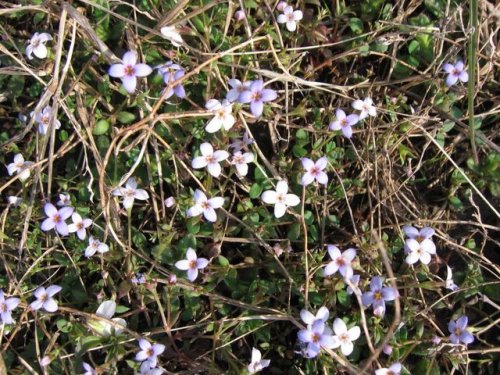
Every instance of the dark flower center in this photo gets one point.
(344, 122)
(150, 352)
(192, 264)
(57, 218)
(3, 307)
(377, 295)
(314, 171)
(210, 159)
(129, 70)
(316, 337)
(205, 205)
(257, 95)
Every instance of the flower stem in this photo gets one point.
(472, 76)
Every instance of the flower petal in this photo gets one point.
(339, 327)
(129, 83)
(129, 58)
(142, 70)
(269, 196)
(292, 200)
(279, 210)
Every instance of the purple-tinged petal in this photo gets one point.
(66, 212)
(129, 58)
(117, 70)
(183, 265)
(142, 70)
(307, 179)
(367, 298)
(307, 163)
(47, 224)
(466, 337)
(330, 269)
(451, 79)
(464, 77)
(375, 283)
(50, 305)
(62, 228)
(462, 322)
(352, 119)
(245, 97)
(129, 83)
(448, 68)
(410, 231)
(216, 202)
(339, 327)
(201, 263)
(257, 107)
(347, 131)
(349, 254)
(268, 95)
(50, 209)
(426, 232)
(210, 214)
(192, 274)
(459, 65)
(389, 294)
(53, 289)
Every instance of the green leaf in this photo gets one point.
(255, 191)
(356, 25)
(101, 127)
(126, 117)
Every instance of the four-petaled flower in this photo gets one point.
(6, 308)
(19, 166)
(147, 370)
(240, 161)
(205, 206)
(191, 264)
(308, 318)
(129, 70)
(130, 193)
(107, 310)
(240, 144)
(257, 363)
(344, 122)
(419, 245)
(171, 33)
(79, 225)
(455, 72)
(64, 200)
(37, 46)
(340, 262)
(95, 246)
(280, 198)
(237, 88)
(256, 95)
(170, 77)
(314, 171)
(44, 298)
(459, 333)
(43, 120)
(344, 337)
(378, 295)
(223, 115)
(290, 17)
(210, 159)
(89, 370)
(149, 352)
(316, 336)
(56, 219)
(365, 107)
(394, 369)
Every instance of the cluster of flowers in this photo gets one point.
(318, 335)
(56, 219)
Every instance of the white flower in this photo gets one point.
(419, 251)
(14, 201)
(210, 159)
(19, 166)
(223, 116)
(37, 46)
(290, 17)
(314, 171)
(366, 107)
(241, 160)
(130, 192)
(191, 264)
(169, 202)
(344, 337)
(129, 70)
(449, 280)
(280, 198)
(88, 369)
(395, 369)
(44, 298)
(79, 225)
(95, 246)
(149, 352)
(43, 120)
(107, 310)
(147, 370)
(308, 318)
(281, 6)
(64, 200)
(205, 206)
(257, 363)
(171, 33)
(340, 262)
